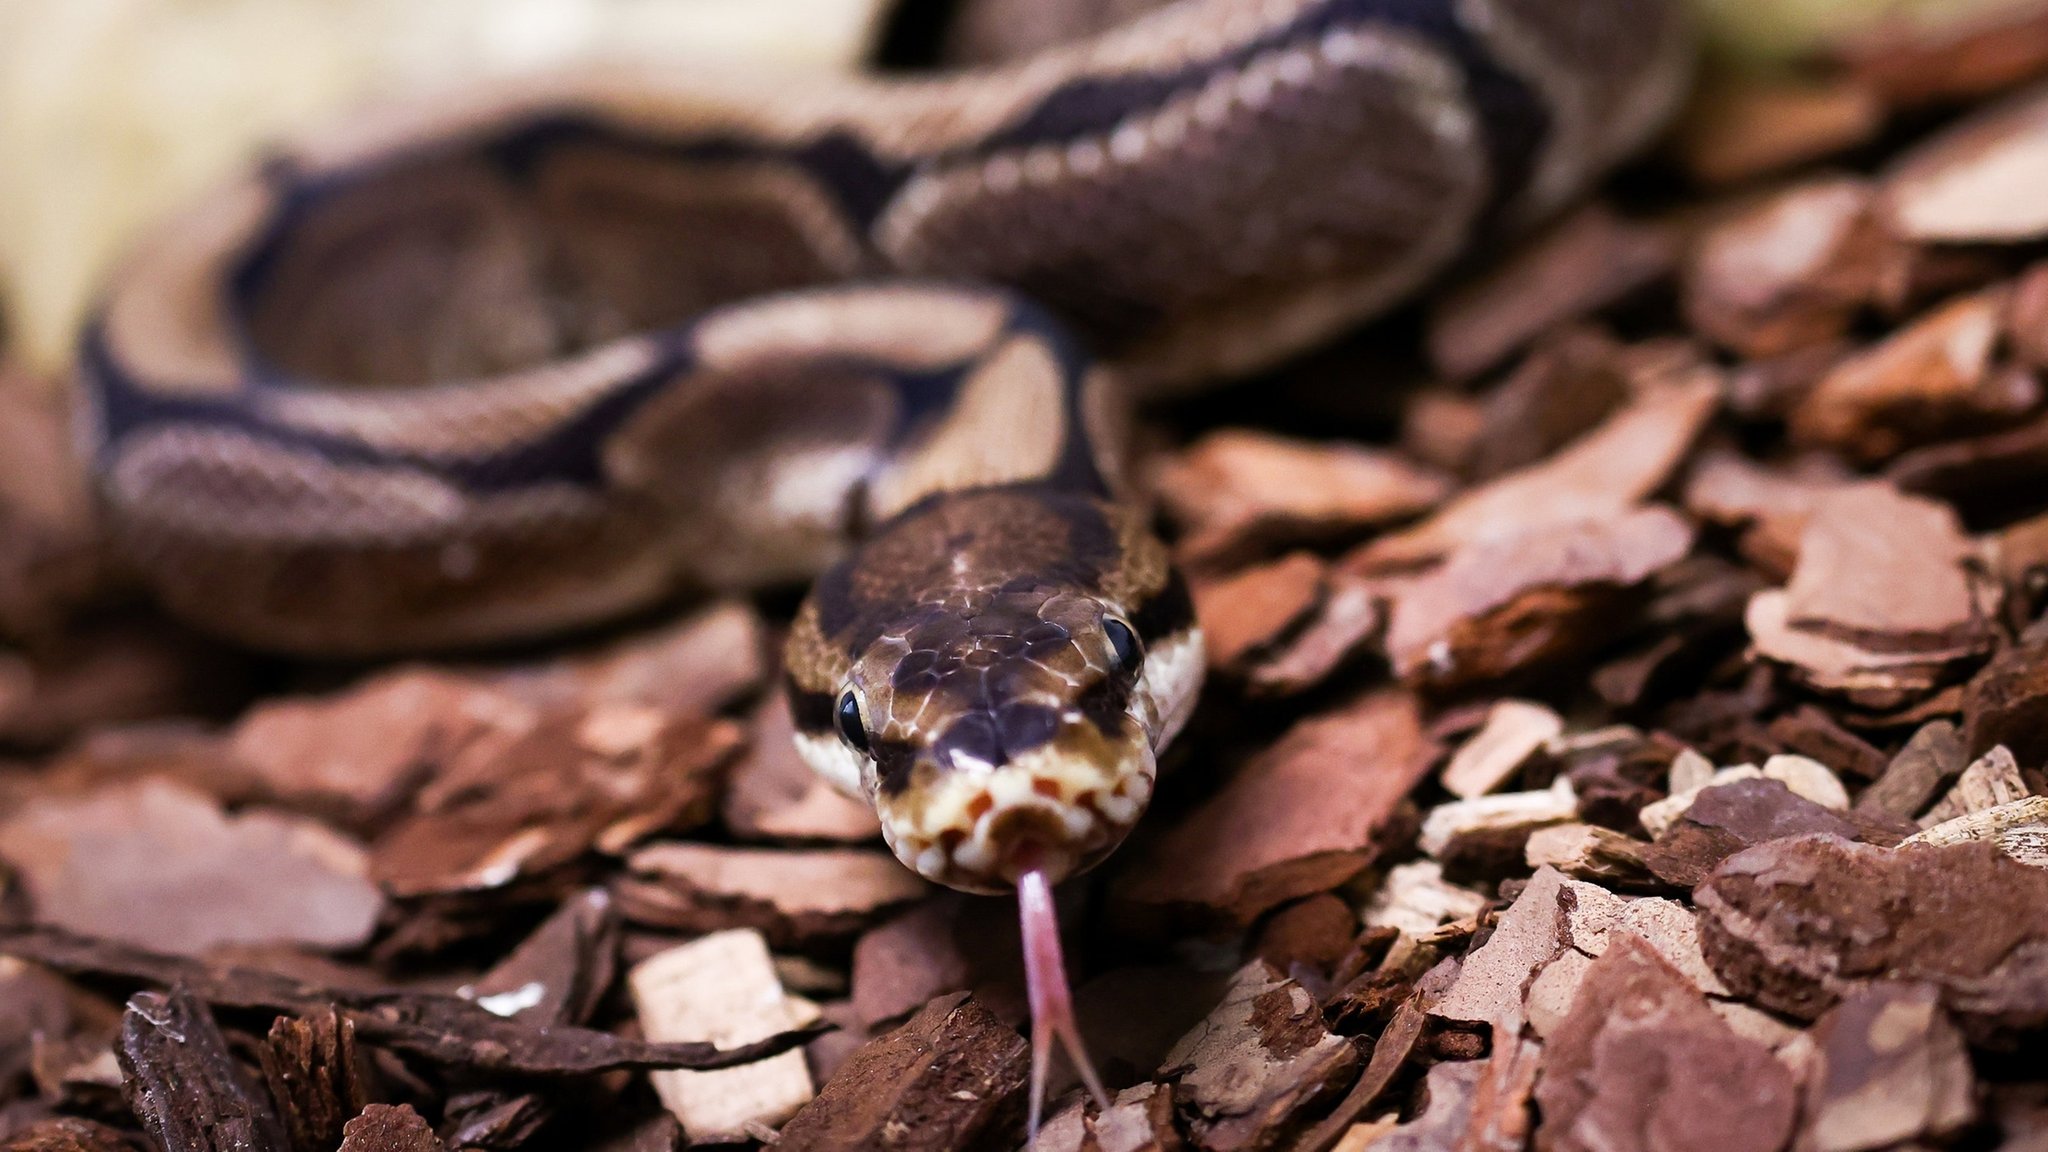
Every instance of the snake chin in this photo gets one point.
(1061, 808)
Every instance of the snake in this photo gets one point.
(539, 355)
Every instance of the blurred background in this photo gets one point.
(113, 110)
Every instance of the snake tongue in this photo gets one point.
(1052, 1001)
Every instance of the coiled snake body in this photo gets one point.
(487, 370)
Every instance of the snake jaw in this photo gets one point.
(1071, 800)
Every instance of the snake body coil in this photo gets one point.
(488, 371)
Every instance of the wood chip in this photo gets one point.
(1496, 608)
(311, 1066)
(1992, 779)
(1790, 272)
(772, 793)
(1300, 818)
(187, 1090)
(1248, 1074)
(1726, 818)
(2018, 828)
(2007, 702)
(1139, 1120)
(1795, 925)
(1889, 1069)
(1236, 492)
(909, 961)
(1588, 261)
(599, 779)
(1514, 731)
(1487, 836)
(1743, 127)
(1586, 852)
(1251, 611)
(1883, 600)
(361, 753)
(721, 988)
(695, 666)
(953, 1077)
(1348, 618)
(156, 863)
(1927, 764)
(1416, 899)
(795, 898)
(1564, 388)
(389, 1128)
(1603, 474)
(1977, 182)
(1643, 1063)
(1931, 379)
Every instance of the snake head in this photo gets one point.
(1004, 720)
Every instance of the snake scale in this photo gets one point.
(505, 364)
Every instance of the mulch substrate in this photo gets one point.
(1628, 730)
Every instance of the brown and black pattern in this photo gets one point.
(493, 367)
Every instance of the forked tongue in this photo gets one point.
(1052, 1002)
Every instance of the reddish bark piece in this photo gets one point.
(1775, 504)
(1810, 731)
(948, 943)
(1978, 182)
(562, 970)
(577, 781)
(185, 1087)
(1883, 600)
(1315, 932)
(389, 1128)
(1727, 818)
(1744, 127)
(1930, 379)
(1790, 272)
(772, 794)
(2007, 702)
(1246, 1075)
(1496, 753)
(1448, 1094)
(310, 1065)
(1911, 63)
(68, 1134)
(796, 898)
(2026, 322)
(1518, 601)
(1139, 1120)
(1235, 492)
(1797, 924)
(446, 1031)
(362, 752)
(1889, 1068)
(1642, 1063)
(1251, 611)
(1602, 474)
(1588, 261)
(1887, 571)
(1346, 619)
(692, 667)
(1563, 389)
(953, 1077)
(1302, 817)
(155, 863)
(1928, 764)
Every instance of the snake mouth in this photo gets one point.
(1059, 808)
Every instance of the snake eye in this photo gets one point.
(851, 729)
(1124, 644)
